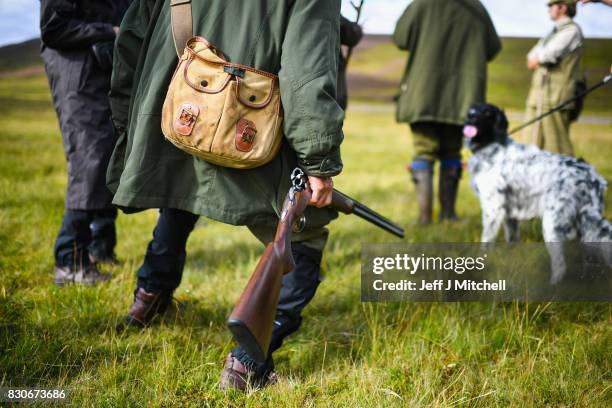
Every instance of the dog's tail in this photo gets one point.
(593, 226)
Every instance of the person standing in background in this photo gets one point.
(557, 64)
(450, 43)
(350, 35)
(77, 46)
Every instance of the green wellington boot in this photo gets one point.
(447, 192)
(422, 176)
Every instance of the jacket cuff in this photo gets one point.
(328, 166)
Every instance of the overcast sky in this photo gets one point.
(520, 18)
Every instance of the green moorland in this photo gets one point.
(509, 79)
(348, 354)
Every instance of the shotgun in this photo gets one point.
(562, 105)
(252, 319)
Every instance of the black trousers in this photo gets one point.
(85, 232)
(162, 270)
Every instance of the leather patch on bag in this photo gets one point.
(186, 119)
(245, 135)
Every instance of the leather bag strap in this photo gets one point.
(182, 24)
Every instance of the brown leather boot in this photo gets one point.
(237, 376)
(423, 184)
(447, 192)
(146, 306)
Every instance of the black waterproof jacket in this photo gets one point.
(77, 42)
(350, 35)
(78, 24)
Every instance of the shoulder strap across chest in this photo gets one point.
(182, 23)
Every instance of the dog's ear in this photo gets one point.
(502, 121)
(501, 126)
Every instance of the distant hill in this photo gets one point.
(19, 56)
(377, 66)
(376, 69)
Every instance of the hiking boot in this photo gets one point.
(447, 192)
(237, 376)
(146, 306)
(85, 275)
(423, 184)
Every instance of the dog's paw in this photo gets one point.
(486, 246)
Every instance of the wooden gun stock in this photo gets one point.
(253, 316)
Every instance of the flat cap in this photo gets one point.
(566, 2)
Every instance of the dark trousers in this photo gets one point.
(162, 270)
(85, 232)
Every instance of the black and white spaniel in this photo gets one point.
(519, 182)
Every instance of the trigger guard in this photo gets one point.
(299, 225)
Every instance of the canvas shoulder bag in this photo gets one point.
(227, 114)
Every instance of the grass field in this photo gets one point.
(348, 354)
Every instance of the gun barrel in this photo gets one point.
(378, 220)
(347, 205)
(562, 104)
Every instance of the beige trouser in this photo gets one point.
(436, 141)
(552, 132)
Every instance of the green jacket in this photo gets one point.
(296, 39)
(450, 42)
